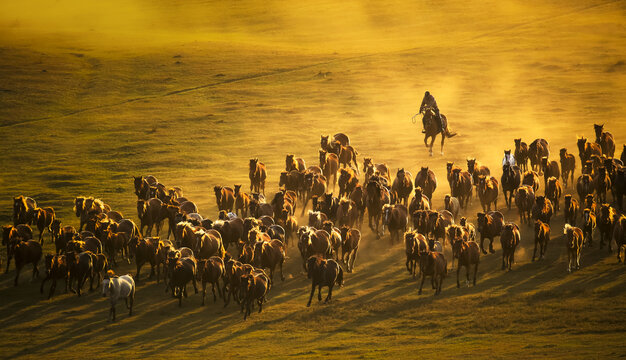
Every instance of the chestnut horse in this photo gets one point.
(521, 154)
(257, 175)
(509, 240)
(605, 140)
(537, 150)
(427, 180)
(511, 180)
(432, 128)
(568, 165)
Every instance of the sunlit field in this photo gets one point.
(188, 91)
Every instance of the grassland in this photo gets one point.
(189, 91)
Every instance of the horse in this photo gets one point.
(487, 189)
(427, 180)
(403, 185)
(23, 210)
(586, 149)
(537, 150)
(345, 154)
(323, 272)
(268, 254)
(451, 204)
(292, 163)
(347, 182)
(619, 234)
(554, 191)
(432, 128)
(116, 288)
(589, 224)
(531, 178)
(602, 182)
(257, 174)
(574, 244)
(358, 198)
(418, 202)
(462, 186)
(511, 180)
(475, 170)
(254, 287)
(211, 271)
(543, 209)
(350, 239)
(56, 269)
(468, 254)
(224, 197)
(395, 217)
(605, 222)
(550, 169)
(450, 172)
(329, 163)
(26, 252)
(584, 186)
(414, 243)
(370, 169)
(347, 213)
(521, 154)
(183, 272)
(570, 209)
(568, 165)
(334, 236)
(433, 264)
(376, 196)
(542, 236)
(81, 267)
(605, 140)
(315, 185)
(12, 235)
(342, 138)
(313, 242)
(489, 225)
(509, 240)
(43, 218)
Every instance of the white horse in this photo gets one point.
(117, 288)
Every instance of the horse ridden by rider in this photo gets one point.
(434, 122)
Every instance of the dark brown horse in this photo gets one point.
(403, 185)
(570, 208)
(23, 210)
(414, 244)
(537, 150)
(210, 271)
(525, 200)
(376, 196)
(323, 272)
(395, 218)
(606, 221)
(489, 225)
(269, 254)
(433, 264)
(605, 140)
(531, 179)
(224, 197)
(427, 180)
(292, 163)
(602, 182)
(543, 209)
(347, 182)
(550, 169)
(619, 234)
(568, 165)
(254, 287)
(44, 218)
(586, 149)
(326, 143)
(315, 186)
(350, 239)
(574, 244)
(432, 128)
(462, 186)
(589, 224)
(554, 191)
(542, 236)
(521, 154)
(509, 240)
(476, 169)
(584, 186)
(56, 269)
(242, 201)
(329, 163)
(26, 252)
(511, 180)
(257, 174)
(487, 189)
(346, 155)
(468, 254)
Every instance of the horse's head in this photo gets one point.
(540, 201)
(598, 129)
(481, 221)
(289, 161)
(312, 265)
(518, 143)
(471, 164)
(568, 200)
(344, 234)
(544, 162)
(253, 164)
(581, 144)
(218, 192)
(322, 157)
(562, 153)
(141, 208)
(387, 213)
(324, 141)
(328, 226)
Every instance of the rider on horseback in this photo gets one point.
(429, 101)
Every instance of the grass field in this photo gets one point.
(188, 91)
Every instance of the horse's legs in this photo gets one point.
(52, 287)
(353, 256)
(443, 139)
(491, 250)
(330, 293)
(204, 291)
(432, 141)
(311, 295)
(535, 251)
(458, 269)
(282, 277)
(482, 248)
(319, 292)
(421, 284)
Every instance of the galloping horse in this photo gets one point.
(433, 128)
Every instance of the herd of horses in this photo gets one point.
(239, 252)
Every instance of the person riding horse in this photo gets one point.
(429, 102)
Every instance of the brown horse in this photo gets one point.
(511, 180)
(554, 191)
(462, 186)
(605, 222)
(487, 189)
(346, 155)
(350, 239)
(542, 236)
(568, 165)
(432, 128)
(403, 185)
(358, 197)
(489, 225)
(433, 264)
(537, 150)
(242, 201)
(44, 218)
(209, 243)
(605, 140)
(257, 174)
(603, 183)
(376, 196)
(269, 254)
(543, 209)
(451, 204)
(210, 271)
(619, 234)
(26, 252)
(531, 179)
(254, 287)
(476, 169)
(224, 197)
(450, 172)
(550, 169)
(184, 271)
(292, 163)
(574, 244)
(395, 218)
(315, 186)
(415, 244)
(335, 237)
(326, 144)
(589, 224)
(23, 210)
(150, 213)
(427, 180)
(570, 208)
(329, 163)
(370, 169)
(56, 269)
(418, 202)
(347, 182)
(509, 240)
(521, 154)
(468, 254)
(586, 149)
(584, 186)
(312, 242)
(323, 272)
(81, 268)
(116, 242)
(347, 213)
